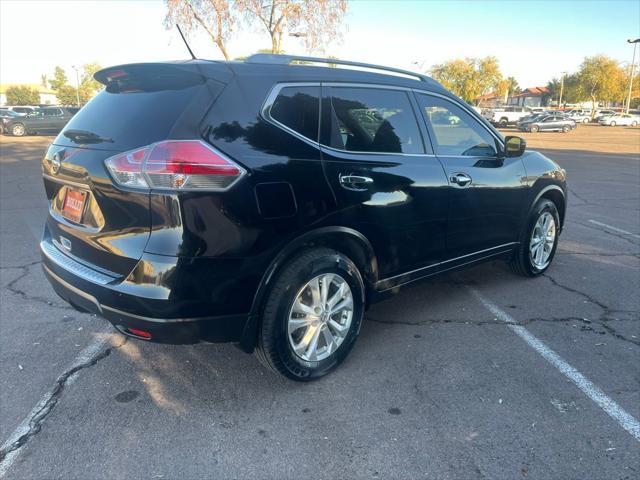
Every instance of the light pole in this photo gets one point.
(77, 85)
(633, 64)
(561, 89)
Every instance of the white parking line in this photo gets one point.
(615, 229)
(86, 356)
(606, 403)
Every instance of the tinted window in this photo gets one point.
(298, 108)
(138, 117)
(373, 120)
(455, 131)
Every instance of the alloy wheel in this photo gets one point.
(320, 317)
(542, 240)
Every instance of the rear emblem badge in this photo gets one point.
(56, 163)
(66, 243)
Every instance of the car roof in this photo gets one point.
(284, 72)
(314, 73)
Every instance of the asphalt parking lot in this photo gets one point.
(479, 374)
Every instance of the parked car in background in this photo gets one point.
(620, 119)
(22, 109)
(269, 203)
(547, 123)
(601, 114)
(43, 120)
(505, 116)
(5, 116)
(580, 117)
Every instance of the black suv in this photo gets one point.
(269, 202)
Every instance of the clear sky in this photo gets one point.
(533, 40)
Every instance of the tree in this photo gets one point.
(469, 78)
(22, 95)
(600, 78)
(88, 85)
(216, 17)
(512, 86)
(66, 95)
(44, 80)
(318, 22)
(59, 78)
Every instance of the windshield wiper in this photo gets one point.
(84, 136)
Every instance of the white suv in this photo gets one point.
(507, 115)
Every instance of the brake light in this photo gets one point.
(174, 165)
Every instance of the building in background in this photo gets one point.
(531, 97)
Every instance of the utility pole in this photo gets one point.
(633, 64)
(561, 89)
(77, 85)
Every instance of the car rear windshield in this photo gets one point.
(141, 111)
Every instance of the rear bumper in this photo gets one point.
(130, 305)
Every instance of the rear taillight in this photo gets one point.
(174, 165)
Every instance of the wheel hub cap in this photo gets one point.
(542, 241)
(320, 317)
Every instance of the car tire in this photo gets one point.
(286, 337)
(634, 124)
(18, 130)
(612, 124)
(503, 122)
(566, 128)
(539, 240)
(586, 120)
(534, 128)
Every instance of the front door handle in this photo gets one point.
(355, 182)
(461, 179)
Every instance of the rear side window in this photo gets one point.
(456, 132)
(298, 108)
(372, 120)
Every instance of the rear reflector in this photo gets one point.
(138, 333)
(174, 165)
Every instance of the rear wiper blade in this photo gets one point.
(84, 136)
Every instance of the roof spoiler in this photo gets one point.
(288, 59)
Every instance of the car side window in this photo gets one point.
(373, 120)
(455, 131)
(298, 108)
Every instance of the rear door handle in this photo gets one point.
(357, 183)
(461, 179)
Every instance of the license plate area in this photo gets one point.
(73, 204)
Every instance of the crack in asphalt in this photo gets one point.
(607, 312)
(606, 329)
(11, 286)
(35, 424)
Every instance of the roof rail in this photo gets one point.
(288, 59)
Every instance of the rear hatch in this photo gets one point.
(96, 223)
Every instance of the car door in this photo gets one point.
(388, 184)
(550, 123)
(53, 120)
(487, 192)
(36, 121)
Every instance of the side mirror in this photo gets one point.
(514, 146)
